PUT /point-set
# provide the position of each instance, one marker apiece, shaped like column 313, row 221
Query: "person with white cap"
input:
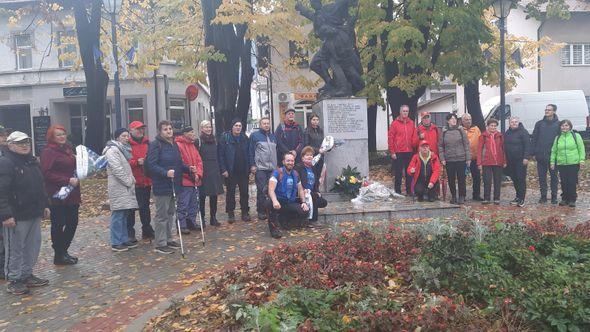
column 23, row 203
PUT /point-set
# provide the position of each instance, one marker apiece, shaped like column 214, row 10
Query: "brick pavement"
column 107, row 290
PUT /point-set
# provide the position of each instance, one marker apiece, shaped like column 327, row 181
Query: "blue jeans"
column 119, row 227
column 187, row 206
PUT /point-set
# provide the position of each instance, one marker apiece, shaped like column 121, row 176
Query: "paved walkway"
column 108, row 290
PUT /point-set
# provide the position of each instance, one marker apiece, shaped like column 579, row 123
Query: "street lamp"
column 501, row 11
column 113, row 7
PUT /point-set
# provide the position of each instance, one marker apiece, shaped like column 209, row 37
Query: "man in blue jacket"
column 544, row 134
column 235, row 168
column 263, row 158
column 289, row 136
column 165, row 167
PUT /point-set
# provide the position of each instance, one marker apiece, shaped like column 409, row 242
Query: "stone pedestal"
column 344, row 119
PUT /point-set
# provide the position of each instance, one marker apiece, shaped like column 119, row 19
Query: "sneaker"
column 231, row 217
column 514, row 201
column 572, row 204
column 497, row 202
column 521, row 203
column 164, row 250
column 132, row 240
column 563, row 203
column 485, row 202
column 542, row 200
column 17, row 288
column 119, row 248
column 185, row 231
column 214, row 222
column 130, row 244
column 33, row 281
column 276, row 234
column 246, row 217
column 262, row 216
column 173, row 244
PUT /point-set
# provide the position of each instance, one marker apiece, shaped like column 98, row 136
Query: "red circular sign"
column 192, row 92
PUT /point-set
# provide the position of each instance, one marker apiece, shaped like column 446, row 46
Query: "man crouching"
column 283, row 188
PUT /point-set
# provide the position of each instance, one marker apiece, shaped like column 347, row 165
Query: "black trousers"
column 64, row 221
column 492, row 174
column 240, row 180
column 400, row 169
column 142, row 194
column 568, row 175
column 517, row 172
column 542, row 168
column 290, row 213
column 476, row 178
column 261, row 178
column 421, row 190
column 318, row 202
column 456, row 174
column 212, row 206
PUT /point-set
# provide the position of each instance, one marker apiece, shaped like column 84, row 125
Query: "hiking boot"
column 563, row 203
column 214, row 222
column 33, row 281
column 461, row 200
column 130, row 244
column 521, row 203
column 276, row 234
column 262, row 216
column 74, row 258
column 119, row 248
column 572, row 204
column 496, row 202
column 17, row 288
column 542, row 200
column 164, row 250
column 231, row 217
column 514, row 201
column 149, row 236
column 431, row 199
column 553, row 201
column 173, row 244
column 477, row 199
column 185, row 231
column 453, row 200
column 486, row 202
column 246, row 217
column 63, row 260
column 132, row 240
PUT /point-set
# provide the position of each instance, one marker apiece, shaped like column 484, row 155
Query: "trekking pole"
column 200, row 219
column 177, row 220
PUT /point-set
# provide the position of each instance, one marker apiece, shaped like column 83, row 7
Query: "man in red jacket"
column 402, row 140
column 188, row 194
column 425, row 170
column 143, row 184
column 428, row 131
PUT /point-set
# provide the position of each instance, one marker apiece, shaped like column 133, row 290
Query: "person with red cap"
column 402, row 140
column 143, row 184
column 425, row 171
column 428, row 131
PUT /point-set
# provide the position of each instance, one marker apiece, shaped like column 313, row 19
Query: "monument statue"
column 337, row 61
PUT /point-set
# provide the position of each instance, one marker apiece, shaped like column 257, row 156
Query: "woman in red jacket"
column 58, row 164
column 188, row 195
column 492, row 159
column 425, row 170
column 402, row 140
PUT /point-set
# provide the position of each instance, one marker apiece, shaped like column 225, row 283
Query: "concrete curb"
column 139, row 323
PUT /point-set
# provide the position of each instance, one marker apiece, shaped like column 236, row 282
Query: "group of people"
column 179, row 170
column 463, row 149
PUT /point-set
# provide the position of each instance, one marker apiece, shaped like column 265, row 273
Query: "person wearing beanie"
column 121, row 189
column 187, row 204
column 289, row 136
column 235, row 168
column 58, row 164
column 23, row 203
column 143, row 184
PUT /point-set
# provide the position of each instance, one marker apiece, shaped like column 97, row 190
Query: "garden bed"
column 456, row 276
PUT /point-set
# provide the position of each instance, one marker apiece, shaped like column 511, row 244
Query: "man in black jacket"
column 289, row 137
column 517, row 149
column 22, row 205
column 543, row 136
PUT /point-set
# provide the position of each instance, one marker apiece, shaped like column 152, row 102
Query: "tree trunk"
column 97, row 79
column 372, row 126
column 474, row 105
column 396, row 98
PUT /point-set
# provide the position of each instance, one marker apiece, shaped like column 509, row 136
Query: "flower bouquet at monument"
column 88, row 162
column 349, row 182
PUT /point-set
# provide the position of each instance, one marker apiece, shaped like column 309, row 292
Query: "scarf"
column 124, row 148
column 209, row 139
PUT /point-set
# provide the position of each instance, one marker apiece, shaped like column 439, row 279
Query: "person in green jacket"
column 568, row 154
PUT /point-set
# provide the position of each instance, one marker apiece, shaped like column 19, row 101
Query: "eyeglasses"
column 21, row 144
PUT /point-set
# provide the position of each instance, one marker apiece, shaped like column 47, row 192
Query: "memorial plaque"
column 40, row 126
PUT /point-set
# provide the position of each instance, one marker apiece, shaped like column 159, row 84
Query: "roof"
column 436, row 100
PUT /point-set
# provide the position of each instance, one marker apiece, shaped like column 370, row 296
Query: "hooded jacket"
column 416, row 163
column 139, row 150
column 568, row 149
column 22, row 195
column 190, row 157
column 402, row 136
column 543, row 137
column 263, row 150
column 491, row 149
column 454, row 145
column 121, row 183
column 517, row 143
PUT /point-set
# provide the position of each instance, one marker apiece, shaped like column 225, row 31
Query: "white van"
column 530, row 107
